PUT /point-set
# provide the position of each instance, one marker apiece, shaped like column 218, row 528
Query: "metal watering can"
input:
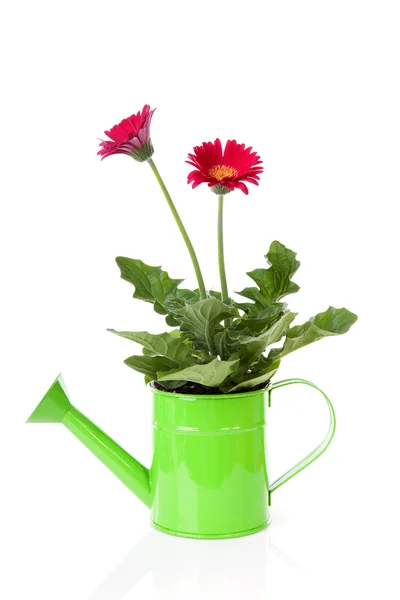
column 208, row 477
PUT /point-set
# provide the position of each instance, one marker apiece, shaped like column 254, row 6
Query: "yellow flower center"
column 220, row 172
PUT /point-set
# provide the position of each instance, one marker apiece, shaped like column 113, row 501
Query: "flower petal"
column 241, row 186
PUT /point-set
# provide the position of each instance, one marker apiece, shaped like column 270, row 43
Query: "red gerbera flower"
column 131, row 136
column 224, row 170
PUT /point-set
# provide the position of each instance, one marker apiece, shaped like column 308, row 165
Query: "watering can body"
column 208, row 477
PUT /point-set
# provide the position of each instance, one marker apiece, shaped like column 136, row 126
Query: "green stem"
column 221, row 261
column 182, row 229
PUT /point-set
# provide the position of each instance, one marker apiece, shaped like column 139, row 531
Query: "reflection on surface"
column 211, row 567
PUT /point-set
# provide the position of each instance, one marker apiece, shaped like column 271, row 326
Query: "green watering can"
column 208, row 477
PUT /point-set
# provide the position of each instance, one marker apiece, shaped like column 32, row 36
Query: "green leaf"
column 252, row 346
column 211, row 374
column 164, row 344
column 152, row 284
column 255, row 378
column 229, row 340
column 215, row 294
column 274, row 283
column 201, row 320
column 259, row 302
column 334, row 321
column 173, row 385
column 218, row 296
column 263, row 365
column 273, row 334
column 148, row 352
column 188, row 295
column 224, row 344
column 171, row 321
column 150, row 365
column 260, row 322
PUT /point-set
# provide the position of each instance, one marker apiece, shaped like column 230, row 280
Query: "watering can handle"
column 307, row 460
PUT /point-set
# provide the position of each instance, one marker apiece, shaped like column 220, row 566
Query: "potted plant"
column 209, row 369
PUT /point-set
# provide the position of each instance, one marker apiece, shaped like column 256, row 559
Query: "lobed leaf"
column 201, row 319
column 164, row 344
column 150, row 365
column 274, row 283
column 253, row 379
column 211, row 374
column 152, row 284
column 334, row 321
column 261, row 321
column 253, row 347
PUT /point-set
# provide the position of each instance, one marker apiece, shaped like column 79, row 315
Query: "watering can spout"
column 55, row 407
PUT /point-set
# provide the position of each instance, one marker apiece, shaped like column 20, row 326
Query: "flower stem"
column 221, row 261
column 182, row 229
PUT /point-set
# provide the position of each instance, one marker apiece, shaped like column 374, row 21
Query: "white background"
column 313, row 86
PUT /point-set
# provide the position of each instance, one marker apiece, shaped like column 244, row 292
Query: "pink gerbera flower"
column 224, row 170
column 131, row 136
